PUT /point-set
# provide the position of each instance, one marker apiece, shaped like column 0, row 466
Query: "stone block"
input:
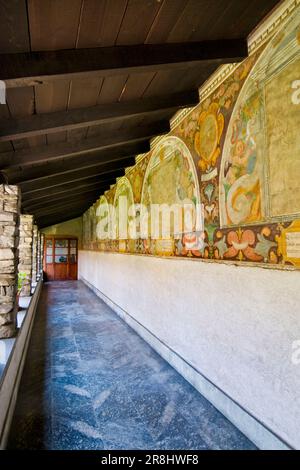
column 5, row 309
column 7, row 331
column 10, row 230
column 7, row 266
column 6, row 254
column 7, row 216
column 9, row 189
column 7, row 242
column 10, row 206
column 5, row 318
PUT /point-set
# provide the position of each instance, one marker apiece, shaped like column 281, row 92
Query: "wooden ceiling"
column 89, row 82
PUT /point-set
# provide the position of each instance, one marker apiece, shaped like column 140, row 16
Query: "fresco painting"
column 242, row 170
column 171, row 179
column 283, row 121
column 237, row 154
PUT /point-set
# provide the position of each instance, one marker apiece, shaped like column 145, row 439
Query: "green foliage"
column 22, row 277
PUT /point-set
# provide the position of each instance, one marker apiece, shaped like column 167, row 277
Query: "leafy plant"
column 22, row 278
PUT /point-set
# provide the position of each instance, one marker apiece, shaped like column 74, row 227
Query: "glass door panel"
column 73, row 251
column 61, row 251
column 49, row 251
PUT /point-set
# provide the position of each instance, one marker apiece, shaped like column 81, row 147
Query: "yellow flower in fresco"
column 207, row 139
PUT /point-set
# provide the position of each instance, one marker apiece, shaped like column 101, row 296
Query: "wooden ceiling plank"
column 44, row 222
column 112, row 88
column 60, row 167
column 20, row 101
column 40, row 67
column 53, row 97
column 83, row 93
column 55, row 205
column 193, row 17
column 137, row 21
column 12, row 129
column 136, row 85
column 55, row 138
column 106, row 170
column 251, row 15
column 63, row 207
column 34, row 203
column 61, row 202
column 66, row 187
column 167, row 16
column 100, row 22
column 53, row 24
column 12, row 161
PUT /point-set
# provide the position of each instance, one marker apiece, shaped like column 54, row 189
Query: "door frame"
column 52, row 276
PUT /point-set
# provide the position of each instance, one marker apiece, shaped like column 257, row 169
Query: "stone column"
column 10, row 202
column 34, row 255
column 42, row 253
column 38, row 265
column 25, row 252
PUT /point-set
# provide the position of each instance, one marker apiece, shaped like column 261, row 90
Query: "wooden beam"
column 73, row 191
column 34, row 68
column 98, row 148
column 117, row 161
column 54, row 208
column 106, row 171
column 39, row 124
column 46, row 202
column 63, row 207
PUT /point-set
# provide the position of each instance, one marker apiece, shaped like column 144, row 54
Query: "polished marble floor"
column 90, row 382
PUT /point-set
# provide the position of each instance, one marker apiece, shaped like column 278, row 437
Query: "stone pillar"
column 42, row 254
column 38, row 266
column 34, row 255
column 25, row 253
column 10, row 202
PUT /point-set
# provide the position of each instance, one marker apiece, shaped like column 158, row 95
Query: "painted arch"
column 259, row 177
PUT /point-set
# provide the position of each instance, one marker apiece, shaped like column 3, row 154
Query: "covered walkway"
column 90, row 382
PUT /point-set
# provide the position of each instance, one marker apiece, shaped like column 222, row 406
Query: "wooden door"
column 60, row 258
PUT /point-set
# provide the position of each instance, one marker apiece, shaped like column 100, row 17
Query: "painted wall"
column 236, row 325
column 70, row 228
column 238, row 154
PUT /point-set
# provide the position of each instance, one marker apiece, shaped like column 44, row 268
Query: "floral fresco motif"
column 254, row 244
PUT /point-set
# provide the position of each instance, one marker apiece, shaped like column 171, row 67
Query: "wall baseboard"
column 256, row 431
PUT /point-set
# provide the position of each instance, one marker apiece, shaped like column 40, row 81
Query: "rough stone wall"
column 38, row 265
column 10, row 201
column 42, row 253
column 34, row 253
column 25, row 251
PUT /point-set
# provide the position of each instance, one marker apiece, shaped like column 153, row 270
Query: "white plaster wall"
column 236, row 325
